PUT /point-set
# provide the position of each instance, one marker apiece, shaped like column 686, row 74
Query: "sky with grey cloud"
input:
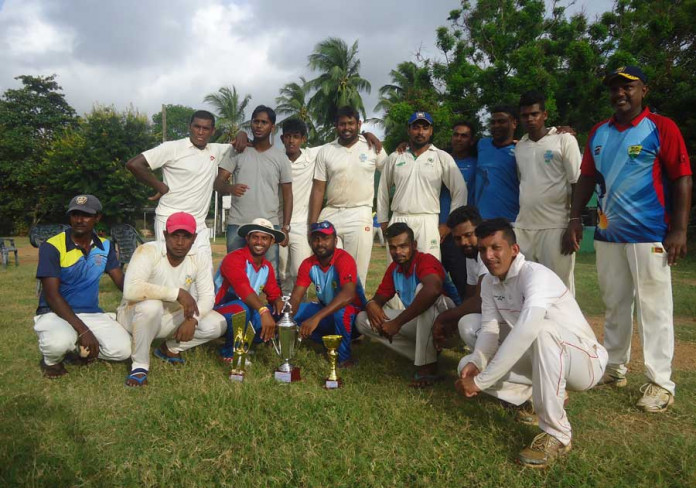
column 143, row 53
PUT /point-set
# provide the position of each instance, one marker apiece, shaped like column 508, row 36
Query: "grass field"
column 193, row 427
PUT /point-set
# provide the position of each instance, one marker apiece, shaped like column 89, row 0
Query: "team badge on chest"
column 634, row 151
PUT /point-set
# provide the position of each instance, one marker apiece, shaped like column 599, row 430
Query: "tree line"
column 490, row 52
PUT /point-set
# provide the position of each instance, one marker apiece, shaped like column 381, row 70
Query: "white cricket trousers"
column 354, row 231
column 544, row 247
column 415, row 338
column 557, row 361
column 425, row 231
column 57, row 337
column 637, row 274
column 153, row 319
column 291, row 257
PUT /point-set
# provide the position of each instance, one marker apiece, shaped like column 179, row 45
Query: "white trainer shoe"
column 655, row 398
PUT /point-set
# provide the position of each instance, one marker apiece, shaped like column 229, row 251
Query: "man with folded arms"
column 68, row 318
column 244, row 274
column 156, row 299
column 339, row 291
column 534, row 342
column 418, row 279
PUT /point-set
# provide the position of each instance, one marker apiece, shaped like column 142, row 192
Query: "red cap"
column 181, row 221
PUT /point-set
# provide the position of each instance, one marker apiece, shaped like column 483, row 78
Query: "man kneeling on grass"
column 418, row 279
column 69, row 319
column 340, row 294
column 534, row 342
column 156, row 299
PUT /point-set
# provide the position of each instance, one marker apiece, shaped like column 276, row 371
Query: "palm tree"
column 230, row 112
column 293, row 103
column 339, row 82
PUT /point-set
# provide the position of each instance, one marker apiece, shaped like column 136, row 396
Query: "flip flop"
column 139, row 375
column 174, row 361
column 424, row 381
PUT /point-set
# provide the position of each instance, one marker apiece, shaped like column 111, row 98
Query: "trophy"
column 243, row 336
column 287, row 340
column 332, row 342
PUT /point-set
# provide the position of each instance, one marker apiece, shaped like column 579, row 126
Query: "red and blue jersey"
column 329, row 280
column 239, row 276
column 398, row 282
column 633, row 165
column 497, row 186
column 79, row 270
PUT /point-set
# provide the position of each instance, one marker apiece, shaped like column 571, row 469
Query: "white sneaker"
column 655, row 398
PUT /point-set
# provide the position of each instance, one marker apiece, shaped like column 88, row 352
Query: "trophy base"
column 237, row 376
column 288, row 376
column 333, row 384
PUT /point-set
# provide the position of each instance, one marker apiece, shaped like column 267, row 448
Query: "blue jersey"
column 497, row 187
column 79, row 271
column 329, row 281
column 467, row 166
column 633, row 166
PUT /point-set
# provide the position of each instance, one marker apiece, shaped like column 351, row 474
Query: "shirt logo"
column 334, row 285
column 81, row 200
column 597, row 149
column 98, row 259
column 363, row 157
column 429, row 162
column 634, row 151
column 188, row 280
column 500, row 298
column 548, row 156
column 367, row 229
column 401, row 163
column 212, row 158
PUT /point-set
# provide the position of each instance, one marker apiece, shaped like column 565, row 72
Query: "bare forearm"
column 681, row 189
column 315, row 200
column 140, row 169
column 423, row 300
column 287, row 204
column 343, row 299
column 63, row 310
column 582, row 194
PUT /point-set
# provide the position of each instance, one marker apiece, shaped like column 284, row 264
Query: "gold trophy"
column 243, row 336
column 332, row 342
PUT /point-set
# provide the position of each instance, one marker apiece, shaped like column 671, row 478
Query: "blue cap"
column 631, row 73
column 420, row 116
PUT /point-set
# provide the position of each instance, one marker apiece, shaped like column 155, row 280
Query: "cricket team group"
column 481, row 244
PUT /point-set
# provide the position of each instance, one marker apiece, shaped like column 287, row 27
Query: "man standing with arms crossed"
column 189, row 167
column 418, row 174
column 345, row 171
column 548, row 163
column 639, row 164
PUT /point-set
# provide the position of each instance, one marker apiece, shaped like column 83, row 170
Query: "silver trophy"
column 285, row 343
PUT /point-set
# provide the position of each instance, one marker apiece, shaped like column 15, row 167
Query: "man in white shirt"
column 548, row 163
column 157, row 303
column 418, row 174
column 344, row 173
column 189, row 167
column 466, row 317
column 534, row 342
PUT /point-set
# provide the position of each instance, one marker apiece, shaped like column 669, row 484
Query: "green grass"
column 193, row 427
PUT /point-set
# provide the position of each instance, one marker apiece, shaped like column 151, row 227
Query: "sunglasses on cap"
column 322, row 226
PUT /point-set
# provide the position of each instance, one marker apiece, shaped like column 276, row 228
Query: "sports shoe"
column 655, row 398
column 613, row 380
column 543, row 450
column 526, row 415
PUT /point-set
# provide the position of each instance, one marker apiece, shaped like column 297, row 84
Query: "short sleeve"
column 346, row 268
column 303, row 278
column 381, row 158
column 160, row 155
column 571, row 158
column 386, row 288
column 271, row 288
column 587, row 166
column 49, row 262
column 233, row 269
column 673, row 154
column 427, row 265
column 111, row 259
column 320, row 164
column 285, row 169
column 229, row 163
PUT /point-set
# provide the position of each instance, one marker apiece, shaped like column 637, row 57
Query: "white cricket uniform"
column 547, row 168
column 189, row 172
column 149, row 308
column 416, row 200
column 349, row 173
column 534, row 342
column 298, row 248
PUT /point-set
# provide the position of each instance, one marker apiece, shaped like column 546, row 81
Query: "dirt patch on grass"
column 684, row 352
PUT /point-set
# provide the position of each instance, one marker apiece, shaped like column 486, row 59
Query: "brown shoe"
column 54, row 371
column 526, row 415
column 543, row 450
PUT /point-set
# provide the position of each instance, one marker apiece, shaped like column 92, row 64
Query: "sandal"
column 54, row 371
column 424, row 380
column 139, row 375
column 176, row 360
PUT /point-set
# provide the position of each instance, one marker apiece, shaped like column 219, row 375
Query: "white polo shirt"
column 150, row 276
column 189, row 173
column 474, row 270
column 418, row 182
column 546, row 168
column 302, row 176
column 349, row 173
column 506, row 306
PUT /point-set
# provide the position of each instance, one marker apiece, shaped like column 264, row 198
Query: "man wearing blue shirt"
column 68, row 318
column 497, row 186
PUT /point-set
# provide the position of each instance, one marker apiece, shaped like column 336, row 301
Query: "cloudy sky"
column 148, row 52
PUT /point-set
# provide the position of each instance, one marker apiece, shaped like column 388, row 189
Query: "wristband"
column 79, row 336
column 574, row 218
column 263, row 310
